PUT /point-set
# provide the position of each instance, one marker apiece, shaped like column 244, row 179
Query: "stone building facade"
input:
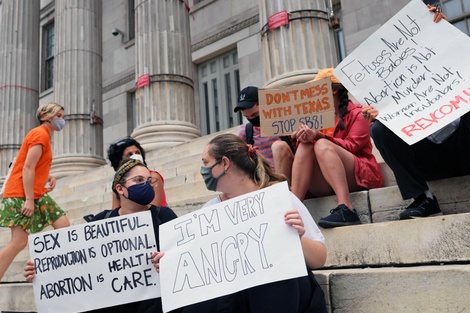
column 163, row 71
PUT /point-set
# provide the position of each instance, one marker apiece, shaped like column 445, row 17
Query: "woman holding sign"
column 27, row 206
column 336, row 163
column 132, row 186
column 235, row 168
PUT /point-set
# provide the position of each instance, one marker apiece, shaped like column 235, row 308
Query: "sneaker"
column 340, row 216
column 421, row 207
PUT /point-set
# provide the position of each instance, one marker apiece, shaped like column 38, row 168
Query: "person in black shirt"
column 132, row 187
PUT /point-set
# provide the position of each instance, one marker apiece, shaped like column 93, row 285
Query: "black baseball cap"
column 247, row 98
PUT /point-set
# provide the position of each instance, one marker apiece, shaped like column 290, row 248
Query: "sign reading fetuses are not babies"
column 414, row 71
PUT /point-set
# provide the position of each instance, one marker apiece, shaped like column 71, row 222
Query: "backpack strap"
column 249, row 134
column 108, row 214
column 249, row 137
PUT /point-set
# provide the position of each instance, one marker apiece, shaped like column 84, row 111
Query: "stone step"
column 430, row 289
column 17, row 297
column 426, row 289
column 432, row 240
column 385, row 204
column 453, row 195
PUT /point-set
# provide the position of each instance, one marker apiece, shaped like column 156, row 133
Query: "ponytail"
column 246, row 158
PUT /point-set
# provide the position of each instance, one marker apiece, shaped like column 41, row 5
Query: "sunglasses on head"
column 124, row 141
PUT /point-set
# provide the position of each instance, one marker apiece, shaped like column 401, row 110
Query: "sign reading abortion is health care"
column 414, row 71
column 284, row 109
column 229, row 246
column 95, row 265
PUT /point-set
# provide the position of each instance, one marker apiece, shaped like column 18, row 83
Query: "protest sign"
column 230, row 246
column 95, row 265
column 414, row 71
column 284, row 109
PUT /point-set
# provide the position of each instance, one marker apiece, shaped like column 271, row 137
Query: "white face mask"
column 137, row 157
column 58, row 123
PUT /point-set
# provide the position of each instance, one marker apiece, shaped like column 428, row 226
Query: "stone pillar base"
column 291, row 78
column 153, row 136
column 71, row 165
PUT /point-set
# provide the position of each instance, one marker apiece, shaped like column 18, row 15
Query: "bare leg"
column 302, row 169
column 18, row 241
column 283, row 158
column 337, row 166
column 62, row 222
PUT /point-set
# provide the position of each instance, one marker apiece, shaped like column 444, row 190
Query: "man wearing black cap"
column 276, row 150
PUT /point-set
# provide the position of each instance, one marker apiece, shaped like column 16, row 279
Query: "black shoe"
column 421, row 207
column 340, row 216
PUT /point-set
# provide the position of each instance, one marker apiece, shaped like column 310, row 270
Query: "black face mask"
column 255, row 121
column 209, row 179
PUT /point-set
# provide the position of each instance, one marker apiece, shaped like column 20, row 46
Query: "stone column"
column 165, row 108
column 294, row 53
column 77, row 86
column 19, row 76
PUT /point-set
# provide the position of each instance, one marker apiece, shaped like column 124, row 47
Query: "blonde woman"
column 27, row 206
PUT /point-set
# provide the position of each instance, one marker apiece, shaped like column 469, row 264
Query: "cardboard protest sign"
column 230, row 246
column 283, row 110
column 414, row 71
column 95, row 265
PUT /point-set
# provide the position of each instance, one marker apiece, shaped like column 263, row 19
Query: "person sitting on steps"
column 278, row 151
column 338, row 163
column 444, row 154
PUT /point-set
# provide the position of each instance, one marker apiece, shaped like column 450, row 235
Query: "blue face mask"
column 209, row 179
column 142, row 194
column 58, row 123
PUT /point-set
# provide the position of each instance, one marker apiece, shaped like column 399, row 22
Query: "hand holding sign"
column 109, row 257
column 227, row 247
column 283, row 110
column 418, row 84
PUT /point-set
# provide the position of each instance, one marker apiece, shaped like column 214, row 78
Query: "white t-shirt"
column 311, row 229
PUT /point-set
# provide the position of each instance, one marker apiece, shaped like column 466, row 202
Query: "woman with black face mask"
column 132, row 186
column 235, row 168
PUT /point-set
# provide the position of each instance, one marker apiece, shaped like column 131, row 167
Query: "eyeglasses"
column 139, row 179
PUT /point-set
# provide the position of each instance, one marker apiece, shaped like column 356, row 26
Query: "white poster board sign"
column 230, row 246
column 414, row 71
column 95, row 265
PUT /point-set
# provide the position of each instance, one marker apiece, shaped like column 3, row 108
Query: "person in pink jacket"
column 336, row 163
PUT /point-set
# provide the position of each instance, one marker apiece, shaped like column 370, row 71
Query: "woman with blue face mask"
column 27, row 208
column 130, row 148
column 132, row 186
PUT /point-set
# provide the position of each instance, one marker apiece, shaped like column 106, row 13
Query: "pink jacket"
column 356, row 139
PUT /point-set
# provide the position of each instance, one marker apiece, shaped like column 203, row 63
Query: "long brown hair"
column 343, row 103
column 251, row 162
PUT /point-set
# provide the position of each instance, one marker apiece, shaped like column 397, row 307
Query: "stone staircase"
column 384, row 265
